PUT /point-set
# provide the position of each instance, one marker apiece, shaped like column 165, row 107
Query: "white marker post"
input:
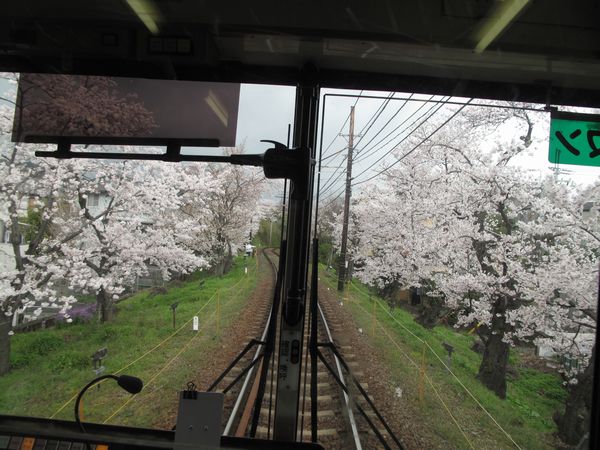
column 195, row 323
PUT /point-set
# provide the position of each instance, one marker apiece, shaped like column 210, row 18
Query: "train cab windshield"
column 330, row 226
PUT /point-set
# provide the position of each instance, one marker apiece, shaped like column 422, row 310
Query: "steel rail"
column 246, row 383
column 338, row 366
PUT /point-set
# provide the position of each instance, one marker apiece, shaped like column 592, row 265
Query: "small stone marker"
column 195, row 323
column 173, row 308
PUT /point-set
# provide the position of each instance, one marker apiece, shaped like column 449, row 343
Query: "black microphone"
column 133, row 385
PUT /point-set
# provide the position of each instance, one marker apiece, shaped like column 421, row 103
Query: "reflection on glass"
column 55, row 106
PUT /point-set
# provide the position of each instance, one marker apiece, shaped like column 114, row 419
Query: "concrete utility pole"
column 342, row 272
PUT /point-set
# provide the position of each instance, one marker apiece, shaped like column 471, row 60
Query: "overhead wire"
column 367, row 151
column 422, row 141
column 322, row 152
column 333, row 199
column 334, row 154
column 429, row 113
column 373, row 119
column 400, row 108
column 331, row 180
column 343, row 124
column 438, row 104
column 458, row 103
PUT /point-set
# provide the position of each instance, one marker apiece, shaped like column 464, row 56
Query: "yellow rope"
column 149, row 382
column 426, row 377
column 149, row 351
column 449, row 370
column 172, row 359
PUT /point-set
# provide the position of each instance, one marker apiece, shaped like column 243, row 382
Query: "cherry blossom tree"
column 229, row 212
column 329, row 232
column 46, row 187
column 499, row 246
column 95, row 248
column 84, row 246
column 138, row 226
column 573, row 318
column 24, row 183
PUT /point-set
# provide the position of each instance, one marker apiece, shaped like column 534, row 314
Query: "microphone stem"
column 80, row 395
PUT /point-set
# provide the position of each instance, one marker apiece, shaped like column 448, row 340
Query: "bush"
column 71, row 360
column 42, row 344
column 30, row 346
column 108, row 332
column 20, row 359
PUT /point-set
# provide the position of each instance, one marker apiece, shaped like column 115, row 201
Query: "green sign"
column 574, row 139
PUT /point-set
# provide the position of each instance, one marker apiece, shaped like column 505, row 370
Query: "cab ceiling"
column 546, row 50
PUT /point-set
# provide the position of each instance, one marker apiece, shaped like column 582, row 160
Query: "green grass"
column 50, row 366
column 526, row 414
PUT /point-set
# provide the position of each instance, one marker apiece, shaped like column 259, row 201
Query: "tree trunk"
column 219, row 267
column 430, row 311
column 219, row 259
column 492, row 371
column 228, row 259
column 5, row 326
column 574, row 423
column 104, row 306
column 15, row 237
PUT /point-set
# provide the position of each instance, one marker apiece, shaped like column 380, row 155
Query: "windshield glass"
column 465, row 263
column 128, row 267
column 456, row 266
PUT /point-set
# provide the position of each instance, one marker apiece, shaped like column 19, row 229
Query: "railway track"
column 339, row 424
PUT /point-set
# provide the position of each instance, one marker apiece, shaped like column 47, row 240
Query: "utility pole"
column 342, row 272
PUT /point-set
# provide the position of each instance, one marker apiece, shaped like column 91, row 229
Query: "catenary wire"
column 411, row 150
column 402, row 140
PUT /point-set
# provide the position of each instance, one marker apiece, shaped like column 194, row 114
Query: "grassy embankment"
column 525, row 416
column 50, row 366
